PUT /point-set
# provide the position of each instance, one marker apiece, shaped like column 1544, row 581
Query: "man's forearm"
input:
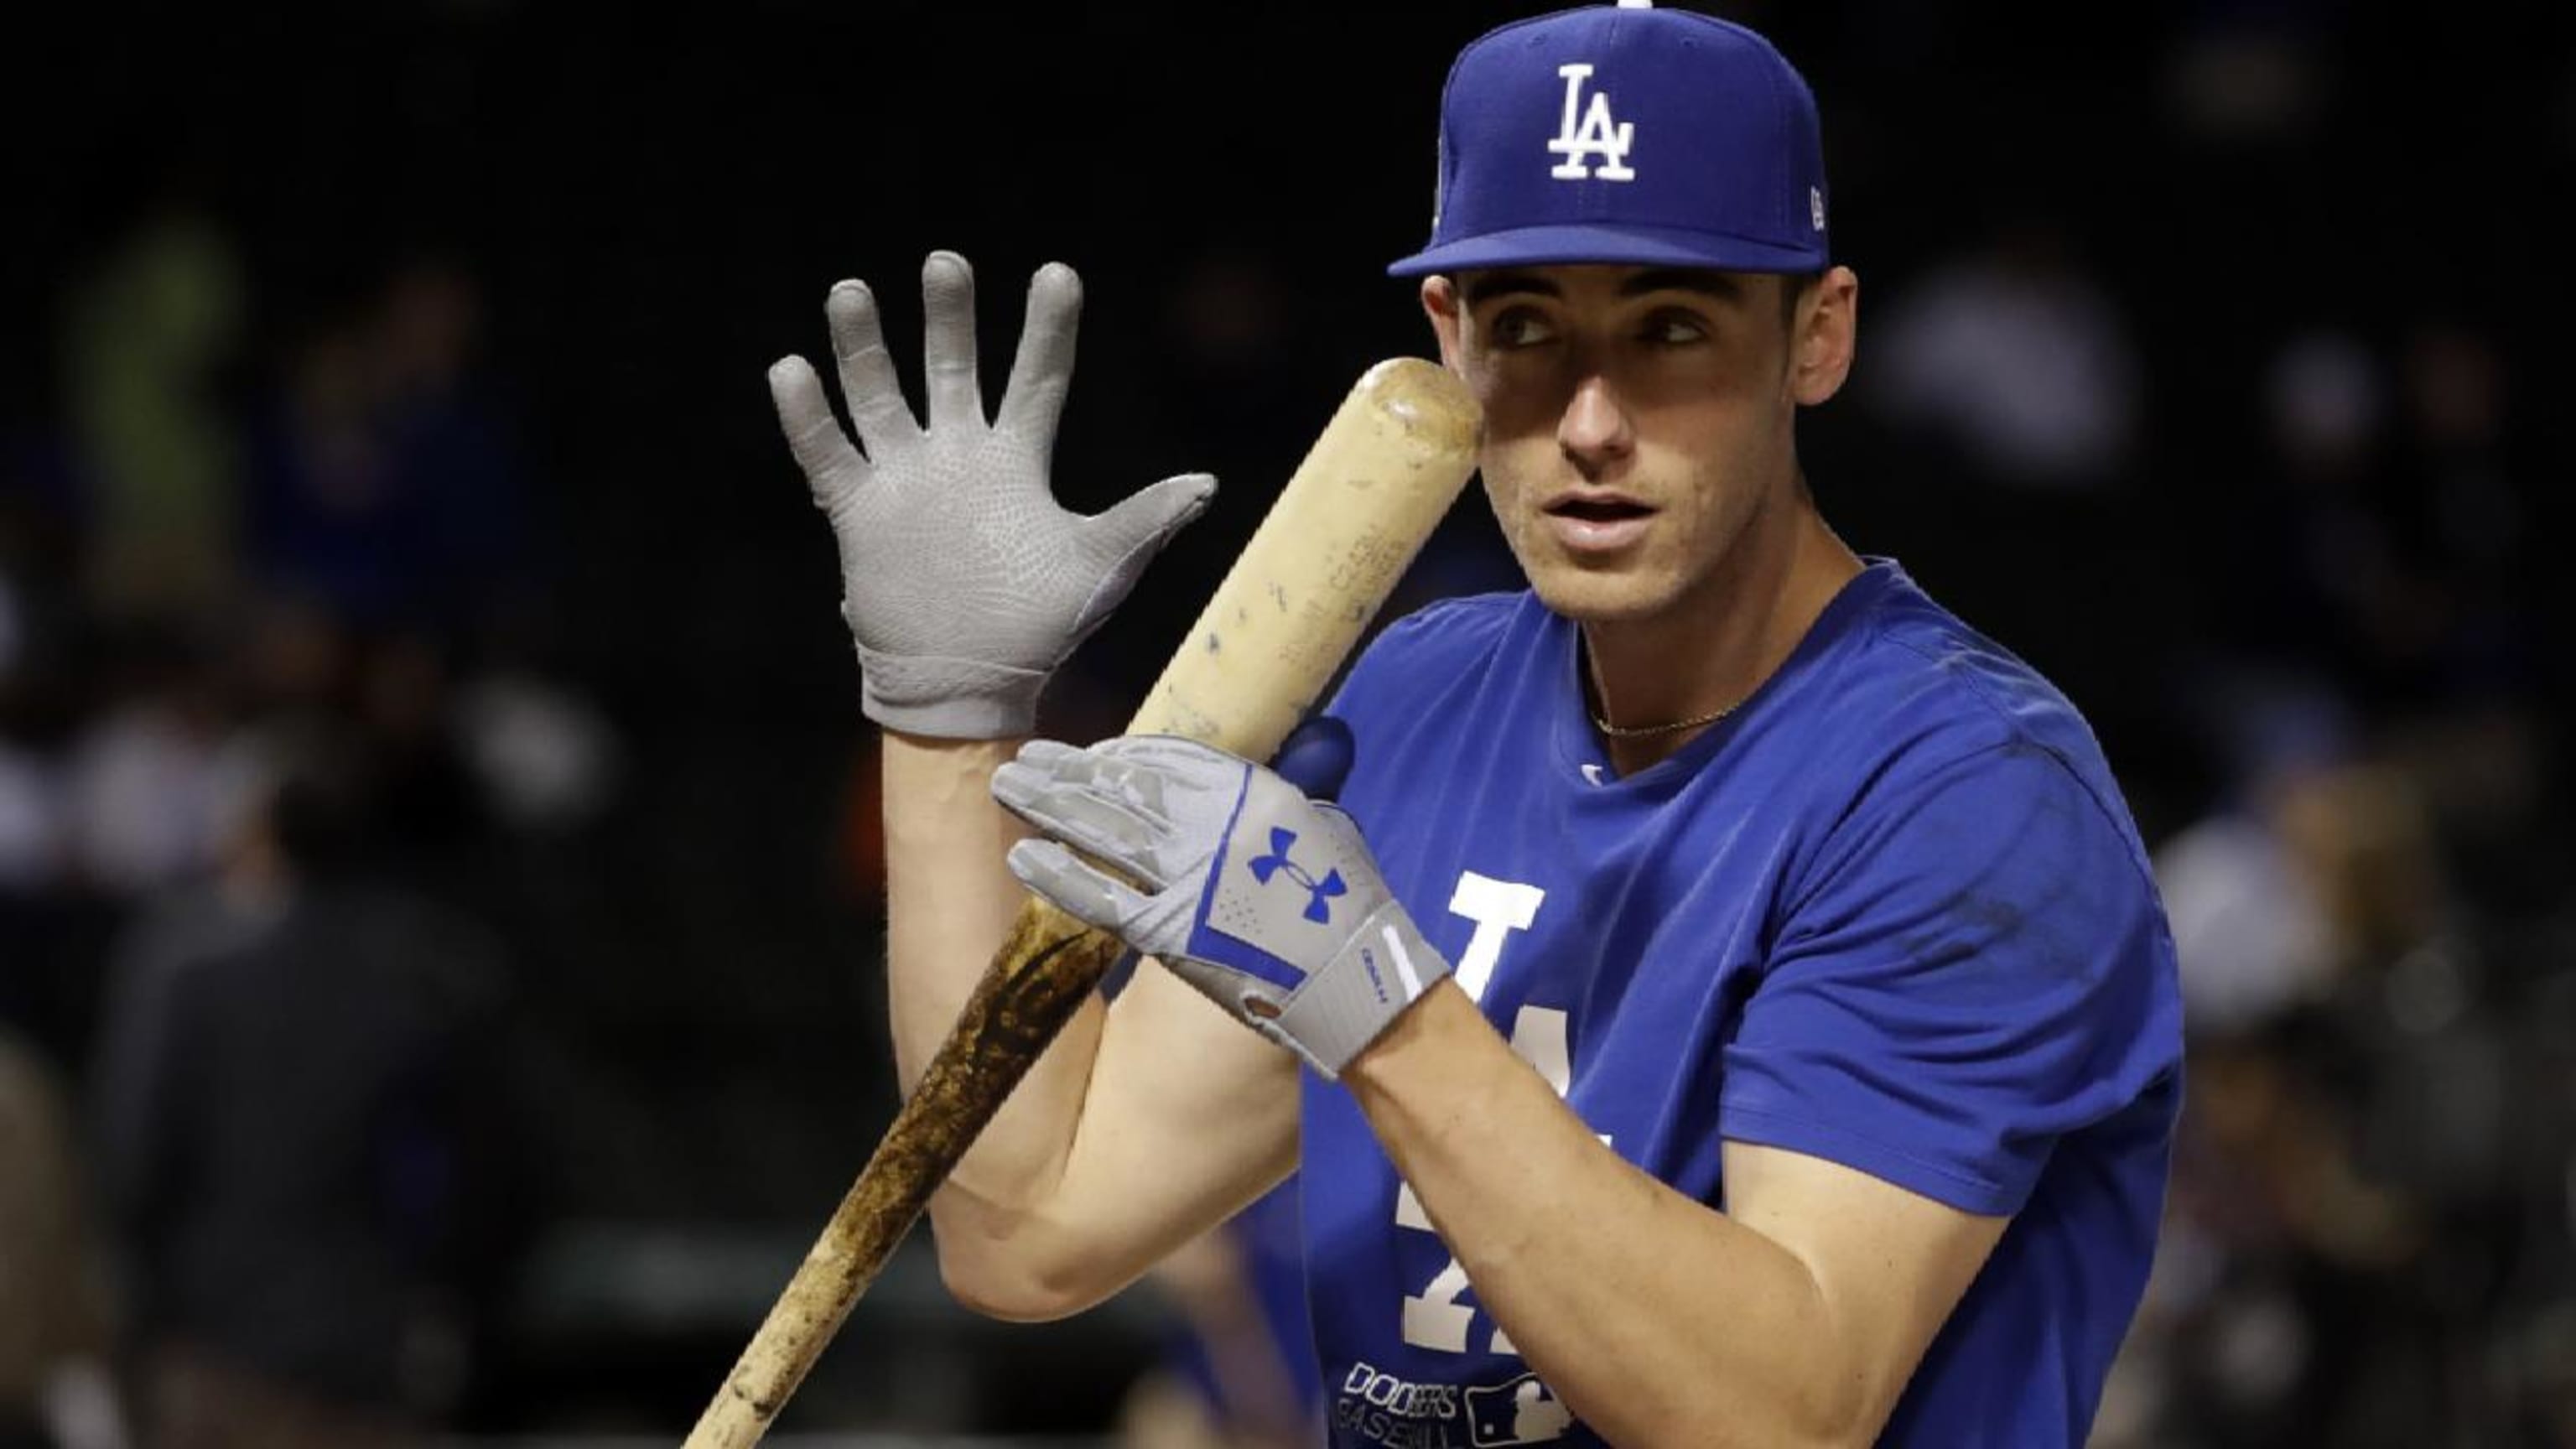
column 1657, row 1320
column 949, row 904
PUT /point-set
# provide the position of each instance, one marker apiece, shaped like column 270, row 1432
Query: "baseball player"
column 1728, row 1004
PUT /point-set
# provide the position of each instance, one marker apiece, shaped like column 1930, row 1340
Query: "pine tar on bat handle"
column 1379, row 478
column 1045, row 969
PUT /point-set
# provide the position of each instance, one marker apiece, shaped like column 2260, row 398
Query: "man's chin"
column 1600, row 596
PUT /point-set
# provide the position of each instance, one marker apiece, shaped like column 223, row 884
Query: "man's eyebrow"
column 1484, row 286
column 1683, row 279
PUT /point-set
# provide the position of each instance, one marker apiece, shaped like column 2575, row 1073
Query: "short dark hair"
column 1793, row 287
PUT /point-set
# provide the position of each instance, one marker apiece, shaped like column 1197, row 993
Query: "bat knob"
column 1316, row 757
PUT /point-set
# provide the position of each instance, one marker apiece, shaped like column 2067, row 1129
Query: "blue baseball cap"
column 1624, row 133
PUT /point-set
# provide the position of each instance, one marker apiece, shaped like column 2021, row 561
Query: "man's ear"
column 1821, row 341
column 1440, row 304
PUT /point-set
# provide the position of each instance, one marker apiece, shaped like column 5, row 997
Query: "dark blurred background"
column 439, row 909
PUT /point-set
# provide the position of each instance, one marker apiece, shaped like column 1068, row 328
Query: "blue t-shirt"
column 1264, row 1239
column 1892, row 912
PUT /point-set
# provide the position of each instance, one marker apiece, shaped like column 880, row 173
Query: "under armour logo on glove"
column 1263, row 867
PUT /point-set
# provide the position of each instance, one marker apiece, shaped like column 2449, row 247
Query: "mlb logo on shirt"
column 1522, row 1411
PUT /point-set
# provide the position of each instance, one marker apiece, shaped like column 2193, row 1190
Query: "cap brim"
column 1650, row 246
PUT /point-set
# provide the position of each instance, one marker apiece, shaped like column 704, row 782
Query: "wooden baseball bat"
column 1377, row 480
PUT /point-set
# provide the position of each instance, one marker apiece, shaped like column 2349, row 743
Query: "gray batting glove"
column 1268, row 902
column 963, row 582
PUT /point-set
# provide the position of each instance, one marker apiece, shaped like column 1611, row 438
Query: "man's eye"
column 1520, row 327
column 1674, row 329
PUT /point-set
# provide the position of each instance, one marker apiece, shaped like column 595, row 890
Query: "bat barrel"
column 1325, row 558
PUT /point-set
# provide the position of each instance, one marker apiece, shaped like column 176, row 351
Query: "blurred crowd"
column 437, row 880
column 271, row 688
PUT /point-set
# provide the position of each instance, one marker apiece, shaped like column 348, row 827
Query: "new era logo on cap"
column 1626, row 134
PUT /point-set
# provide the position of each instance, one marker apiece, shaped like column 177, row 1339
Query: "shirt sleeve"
column 1979, row 967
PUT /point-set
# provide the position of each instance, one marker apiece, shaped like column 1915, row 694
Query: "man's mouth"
column 1596, row 523
column 1599, row 510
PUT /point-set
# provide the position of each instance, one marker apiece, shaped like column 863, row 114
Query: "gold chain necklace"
column 1630, row 732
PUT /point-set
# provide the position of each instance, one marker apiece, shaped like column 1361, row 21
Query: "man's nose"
column 1594, row 432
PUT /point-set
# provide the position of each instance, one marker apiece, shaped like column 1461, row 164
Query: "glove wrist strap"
column 1383, row 967
column 955, row 699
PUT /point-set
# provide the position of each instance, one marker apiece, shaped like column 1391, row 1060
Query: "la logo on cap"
column 1597, row 135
